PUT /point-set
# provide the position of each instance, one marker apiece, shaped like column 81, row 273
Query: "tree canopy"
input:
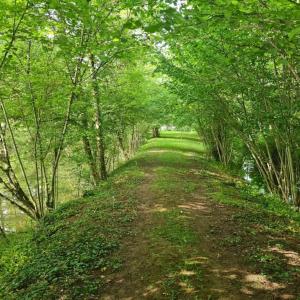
column 83, row 81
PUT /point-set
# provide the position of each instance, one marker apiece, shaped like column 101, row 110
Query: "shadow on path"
column 186, row 245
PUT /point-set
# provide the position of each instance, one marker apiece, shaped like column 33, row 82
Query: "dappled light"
column 150, row 290
column 196, row 260
column 250, row 283
column 149, row 149
column 261, row 282
column 157, row 208
column 219, row 175
column 292, row 257
column 178, row 239
column 187, row 273
column 196, row 206
column 180, row 225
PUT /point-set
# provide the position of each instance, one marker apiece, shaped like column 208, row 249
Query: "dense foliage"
column 235, row 65
column 83, row 83
column 75, row 90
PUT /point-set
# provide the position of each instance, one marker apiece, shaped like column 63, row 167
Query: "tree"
column 237, row 63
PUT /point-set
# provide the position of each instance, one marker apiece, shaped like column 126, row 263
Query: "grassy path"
column 169, row 224
column 195, row 237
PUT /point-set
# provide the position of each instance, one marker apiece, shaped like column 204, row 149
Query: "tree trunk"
column 88, row 150
column 122, row 146
column 91, row 159
column 98, row 121
column 155, row 132
column 2, row 232
column 1, row 215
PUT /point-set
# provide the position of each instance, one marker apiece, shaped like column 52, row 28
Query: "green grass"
column 62, row 255
column 183, row 275
column 174, row 228
column 258, row 215
column 272, row 265
column 68, row 252
column 172, row 141
column 192, row 135
column 271, row 212
column 167, row 181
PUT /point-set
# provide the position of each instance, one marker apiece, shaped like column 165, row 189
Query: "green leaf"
column 153, row 28
column 294, row 32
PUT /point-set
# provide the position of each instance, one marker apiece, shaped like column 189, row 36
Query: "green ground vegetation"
column 72, row 249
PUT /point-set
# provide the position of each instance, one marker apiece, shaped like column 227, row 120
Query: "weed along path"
column 196, row 235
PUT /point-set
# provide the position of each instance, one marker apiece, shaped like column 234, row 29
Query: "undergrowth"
column 69, row 253
column 63, row 255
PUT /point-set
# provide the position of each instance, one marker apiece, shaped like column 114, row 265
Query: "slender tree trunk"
column 88, row 151
column 11, row 184
column 91, row 159
column 1, row 214
column 15, row 29
column 73, row 96
column 2, row 233
column 122, row 146
column 98, row 121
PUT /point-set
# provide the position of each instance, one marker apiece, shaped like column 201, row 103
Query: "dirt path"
column 185, row 245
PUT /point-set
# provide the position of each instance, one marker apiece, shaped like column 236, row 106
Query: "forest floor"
column 179, row 227
column 195, row 237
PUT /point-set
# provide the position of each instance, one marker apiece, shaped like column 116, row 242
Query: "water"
column 11, row 218
column 248, row 167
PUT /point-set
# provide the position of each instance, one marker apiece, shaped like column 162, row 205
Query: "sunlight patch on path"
column 292, row 257
column 195, row 206
column 261, row 282
column 251, row 282
column 157, row 208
